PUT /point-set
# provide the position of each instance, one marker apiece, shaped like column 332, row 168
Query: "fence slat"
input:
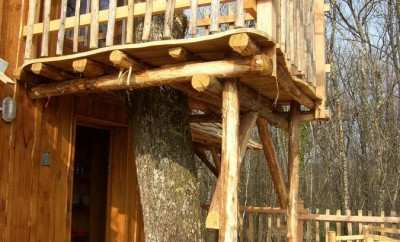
column 317, row 236
column 61, row 31
column 327, row 225
column 94, row 24
column 349, row 225
column 260, row 228
column 269, row 229
column 112, row 6
column 308, row 229
column 147, row 20
column 46, row 26
column 250, row 230
column 338, row 224
column 278, row 226
column 383, row 225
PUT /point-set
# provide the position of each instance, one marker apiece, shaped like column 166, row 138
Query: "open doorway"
column 89, row 199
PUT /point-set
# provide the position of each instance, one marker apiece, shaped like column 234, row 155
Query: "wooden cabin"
column 259, row 59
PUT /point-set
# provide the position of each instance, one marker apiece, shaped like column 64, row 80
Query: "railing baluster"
column 147, row 20
column 169, row 19
column 61, row 30
column 382, row 224
column 193, row 18
column 29, row 35
column 360, row 225
column 278, row 228
column 112, row 5
column 75, row 44
column 94, row 24
column 239, row 18
column 46, row 23
column 130, row 23
column 214, row 25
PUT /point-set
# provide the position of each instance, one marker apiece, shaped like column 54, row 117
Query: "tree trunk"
column 166, row 168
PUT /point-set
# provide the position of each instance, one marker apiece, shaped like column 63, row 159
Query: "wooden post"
column 230, row 162
column 294, row 163
column 272, row 162
column 331, row 236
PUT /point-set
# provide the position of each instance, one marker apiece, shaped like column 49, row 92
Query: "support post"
column 294, row 163
column 230, row 162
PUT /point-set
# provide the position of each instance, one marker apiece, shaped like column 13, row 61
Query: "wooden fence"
column 269, row 224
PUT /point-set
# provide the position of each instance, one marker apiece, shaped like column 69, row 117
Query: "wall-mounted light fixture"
column 8, row 109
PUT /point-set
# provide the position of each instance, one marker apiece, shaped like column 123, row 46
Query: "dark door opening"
column 89, row 199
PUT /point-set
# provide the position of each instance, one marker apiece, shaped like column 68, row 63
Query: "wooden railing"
column 269, row 224
column 68, row 26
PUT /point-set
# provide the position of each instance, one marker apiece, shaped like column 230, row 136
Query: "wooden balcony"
column 274, row 47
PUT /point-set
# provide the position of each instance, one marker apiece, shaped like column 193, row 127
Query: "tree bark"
column 167, row 172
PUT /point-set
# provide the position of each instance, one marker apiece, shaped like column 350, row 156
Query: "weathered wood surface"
column 229, row 163
column 214, row 47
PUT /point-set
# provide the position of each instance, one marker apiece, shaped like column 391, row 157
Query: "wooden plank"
column 193, row 17
column 360, row 225
column 75, row 45
column 272, row 162
column 30, row 28
column 154, row 77
column 94, row 23
column 230, row 162
column 215, row 8
column 88, row 67
column 46, row 23
column 294, row 164
column 111, row 22
column 147, row 20
column 130, row 23
column 61, row 31
column 169, row 19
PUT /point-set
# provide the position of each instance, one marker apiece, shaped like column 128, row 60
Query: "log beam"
column 294, row 167
column 50, row 72
column 230, row 68
column 87, row 67
column 230, row 162
column 272, row 161
column 204, row 82
column 179, row 53
column 123, row 61
column 243, row 45
column 203, row 157
column 247, row 123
